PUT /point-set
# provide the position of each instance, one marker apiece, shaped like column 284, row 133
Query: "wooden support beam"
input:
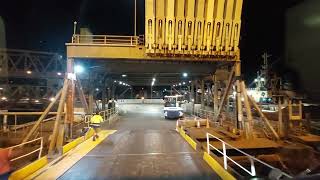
column 280, row 128
column 43, row 116
column 70, row 95
column 248, row 124
column 58, row 118
column 202, row 94
column 176, row 90
column 225, row 94
column 255, row 105
column 239, row 105
column 215, row 94
column 82, row 96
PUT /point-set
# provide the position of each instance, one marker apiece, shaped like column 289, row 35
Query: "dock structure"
column 190, row 49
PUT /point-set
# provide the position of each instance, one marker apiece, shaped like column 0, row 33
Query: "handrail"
column 106, row 114
column 27, row 154
column 252, row 159
column 113, row 40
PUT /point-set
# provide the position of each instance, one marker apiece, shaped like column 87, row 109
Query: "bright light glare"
column 52, row 99
column 262, row 79
column 59, row 73
column 124, row 75
column 185, row 74
column 255, row 80
column 36, row 101
column 4, row 98
column 29, row 72
column 97, row 89
column 153, row 79
column 183, row 83
column 78, row 69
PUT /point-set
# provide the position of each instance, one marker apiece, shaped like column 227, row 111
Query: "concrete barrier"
column 216, row 167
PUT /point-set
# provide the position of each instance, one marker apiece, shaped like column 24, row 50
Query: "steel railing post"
column 225, row 163
column 253, row 169
column 208, row 145
column 41, row 145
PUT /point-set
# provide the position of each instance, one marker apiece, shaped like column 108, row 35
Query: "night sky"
column 48, row 24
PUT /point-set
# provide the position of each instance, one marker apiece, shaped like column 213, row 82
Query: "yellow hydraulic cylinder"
column 189, row 27
column 227, row 27
column 180, row 24
column 149, row 24
column 160, row 23
column 199, row 23
column 218, row 24
column 236, row 25
column 170, row 24
column 207, row 38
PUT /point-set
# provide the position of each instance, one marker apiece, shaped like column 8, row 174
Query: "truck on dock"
column 172, row 109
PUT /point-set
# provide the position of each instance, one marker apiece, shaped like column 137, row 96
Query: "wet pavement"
column 145, row 146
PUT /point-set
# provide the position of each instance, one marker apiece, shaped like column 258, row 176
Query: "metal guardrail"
column 27, row 154
column 106, row 114
column 5, row 127
column 111, row 40
column 252, row 171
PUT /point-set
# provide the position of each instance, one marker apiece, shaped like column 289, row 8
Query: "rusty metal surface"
column 144, row 147
column 308, row 138
column 200, row 133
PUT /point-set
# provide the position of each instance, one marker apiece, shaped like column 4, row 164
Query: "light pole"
column 135, row 18
column 74, row 27
column 153, row 80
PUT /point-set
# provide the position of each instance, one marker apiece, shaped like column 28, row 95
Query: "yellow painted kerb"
column 192, row 143
column 29, row 169
column 72, row 157
column 72, row 144
column 225, row 175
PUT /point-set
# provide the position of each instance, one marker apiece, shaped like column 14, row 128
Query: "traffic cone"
column 208, row 125
column 177, row 125
column 198, row 124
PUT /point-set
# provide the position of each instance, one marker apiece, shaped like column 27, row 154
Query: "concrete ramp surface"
column 145, row 146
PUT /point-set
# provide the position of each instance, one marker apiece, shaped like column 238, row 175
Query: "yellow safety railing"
column 32, row 152
column 226, row 158
column 111, row 40
column 5, row 127
column 106, row 114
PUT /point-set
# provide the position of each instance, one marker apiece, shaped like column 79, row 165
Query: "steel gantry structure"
column 183, row 31
column 29, row 77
